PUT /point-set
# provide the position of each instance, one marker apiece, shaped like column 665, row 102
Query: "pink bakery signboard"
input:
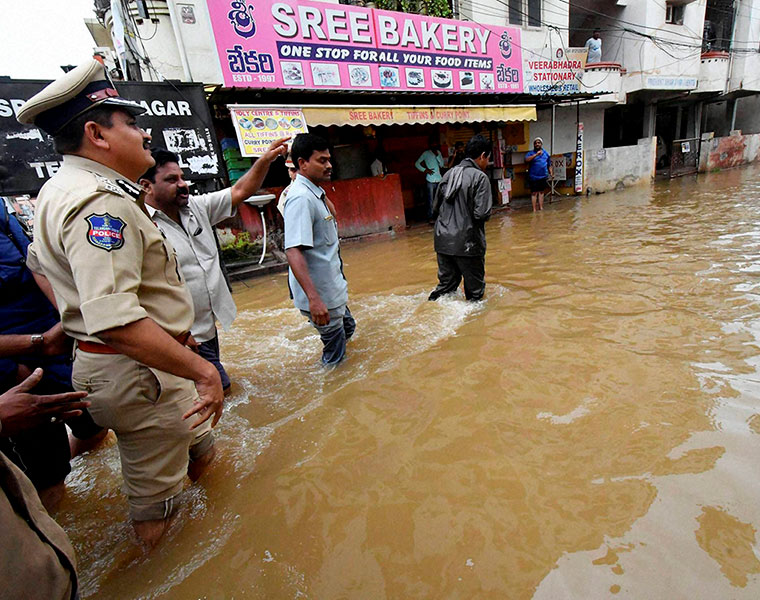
column 318, row 45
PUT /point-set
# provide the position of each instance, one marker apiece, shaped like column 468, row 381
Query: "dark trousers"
column 432, row 188
column 451, row 270
column 42, row 452
column 210, row 351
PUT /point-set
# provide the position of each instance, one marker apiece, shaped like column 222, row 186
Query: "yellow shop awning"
column 409, row 115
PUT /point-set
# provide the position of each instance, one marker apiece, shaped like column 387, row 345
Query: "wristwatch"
column 37, row 340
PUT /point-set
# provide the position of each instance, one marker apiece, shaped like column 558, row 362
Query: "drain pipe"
column 180, row 42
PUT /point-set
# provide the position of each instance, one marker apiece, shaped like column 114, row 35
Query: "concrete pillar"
column 690, row 114
column 731, row 114
column 650, row 120
column 698, row 119
column 679, row 120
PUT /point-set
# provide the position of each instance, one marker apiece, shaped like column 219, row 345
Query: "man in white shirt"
column 292, row 172
column 186, row 221
column 594, row 45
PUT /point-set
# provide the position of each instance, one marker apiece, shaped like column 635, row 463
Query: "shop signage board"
column 258, row 126
column 557, row 74
column 319, row 45
column 177, row 118
column 671, row 83
column 579, row 160
column 396, row 115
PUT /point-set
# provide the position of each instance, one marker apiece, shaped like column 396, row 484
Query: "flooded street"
column 590, row 430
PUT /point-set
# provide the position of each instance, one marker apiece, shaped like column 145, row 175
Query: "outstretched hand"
column 277, row 148
column 20, row 410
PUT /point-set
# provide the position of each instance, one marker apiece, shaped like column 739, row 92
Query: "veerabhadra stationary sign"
column 316, row 45
column 177, row 118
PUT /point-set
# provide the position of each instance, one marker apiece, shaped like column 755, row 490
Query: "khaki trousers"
column 144, row 407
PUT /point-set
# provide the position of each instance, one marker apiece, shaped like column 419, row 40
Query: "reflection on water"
column 589, row 430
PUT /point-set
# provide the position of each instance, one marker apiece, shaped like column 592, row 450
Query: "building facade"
column 676, row 76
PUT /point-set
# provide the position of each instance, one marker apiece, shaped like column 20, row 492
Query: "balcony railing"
column 603, row 78
column 605, row 66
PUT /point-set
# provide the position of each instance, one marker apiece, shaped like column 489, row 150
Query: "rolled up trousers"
column 335, row 334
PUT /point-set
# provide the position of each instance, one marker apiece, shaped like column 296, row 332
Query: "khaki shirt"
column 195, row 242
column 36, row 558
column 109, row 265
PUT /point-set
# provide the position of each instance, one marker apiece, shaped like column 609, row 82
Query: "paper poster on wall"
column 505, row 186
column 559, row 167
column 257, row 127
column 177, row 116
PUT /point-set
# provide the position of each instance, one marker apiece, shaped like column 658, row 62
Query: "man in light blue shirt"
column 316, row 279
column 430, row 163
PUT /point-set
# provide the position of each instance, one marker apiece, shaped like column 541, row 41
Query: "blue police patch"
column 105, row 231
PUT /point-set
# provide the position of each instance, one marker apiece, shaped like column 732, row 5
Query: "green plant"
column 437, row 8
column 432, row 8
column 242, row 247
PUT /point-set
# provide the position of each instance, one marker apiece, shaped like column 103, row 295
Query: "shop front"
column 378, row 85
column 396, row 136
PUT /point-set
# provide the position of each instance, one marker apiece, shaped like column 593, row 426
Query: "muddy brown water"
column 591, row 430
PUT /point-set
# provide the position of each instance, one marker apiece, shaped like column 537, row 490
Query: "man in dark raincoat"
column 463, row 205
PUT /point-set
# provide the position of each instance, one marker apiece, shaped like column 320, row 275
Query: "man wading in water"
column 320, row 290
column 463, row 205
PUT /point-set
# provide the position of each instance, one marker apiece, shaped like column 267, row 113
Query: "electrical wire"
column 657, row 40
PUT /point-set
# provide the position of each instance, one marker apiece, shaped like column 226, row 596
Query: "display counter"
column 365, row 205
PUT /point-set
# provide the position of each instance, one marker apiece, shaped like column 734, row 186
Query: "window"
column 674, row 13
column 534, row 13
column 524, row 12
column 515, row 12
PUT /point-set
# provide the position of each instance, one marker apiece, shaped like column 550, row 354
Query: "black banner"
column 178, row 118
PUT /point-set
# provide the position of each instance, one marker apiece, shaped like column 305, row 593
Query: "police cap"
column 78, row 91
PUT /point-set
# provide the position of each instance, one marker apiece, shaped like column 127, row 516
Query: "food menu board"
column 319, row 45
column 258, row 127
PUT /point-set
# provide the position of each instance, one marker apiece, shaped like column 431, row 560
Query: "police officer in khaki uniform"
column 120, row 293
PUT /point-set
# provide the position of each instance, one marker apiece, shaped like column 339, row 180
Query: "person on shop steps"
column 462, row 206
